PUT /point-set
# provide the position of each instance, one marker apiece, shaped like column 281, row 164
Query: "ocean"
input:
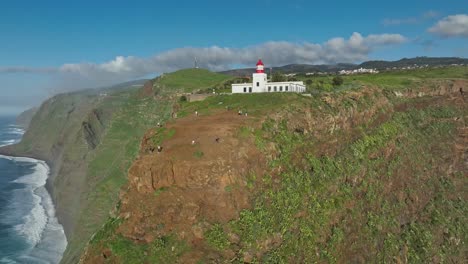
column 29, row 230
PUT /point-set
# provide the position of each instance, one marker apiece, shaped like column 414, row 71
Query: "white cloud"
column 275, row 53
column 451, row 26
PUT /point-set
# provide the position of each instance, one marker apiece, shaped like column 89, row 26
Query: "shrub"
column 216, row 237
column 337, row 81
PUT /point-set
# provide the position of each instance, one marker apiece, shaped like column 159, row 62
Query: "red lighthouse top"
column 260, row 66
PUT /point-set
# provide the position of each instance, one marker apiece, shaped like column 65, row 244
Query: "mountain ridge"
column 372, row 64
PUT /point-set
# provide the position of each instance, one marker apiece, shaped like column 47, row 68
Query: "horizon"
column 54, row 47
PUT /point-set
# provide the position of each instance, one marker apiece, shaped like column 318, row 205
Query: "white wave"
column 8, row 142
column 6, row 157
column 39, row 226
column 33, row 224
column 16, row 131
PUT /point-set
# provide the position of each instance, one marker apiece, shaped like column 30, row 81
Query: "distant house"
column 260, row 84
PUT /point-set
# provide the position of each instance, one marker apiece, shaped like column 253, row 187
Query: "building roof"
column 260, row 62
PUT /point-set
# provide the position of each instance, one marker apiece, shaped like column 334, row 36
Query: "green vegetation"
column 244, row 132
column 278, row 77
column 337, row 80
column 189, row 80
column 109, row 163
column 326, row 187
column 162, row 250
column 253, row 104
column 216, row 237
column 183, row 98
column 395, row 80
column 160, row 190
column 198, row 154
column 161, row 135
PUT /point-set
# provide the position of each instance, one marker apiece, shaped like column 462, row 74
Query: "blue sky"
column 51, row 46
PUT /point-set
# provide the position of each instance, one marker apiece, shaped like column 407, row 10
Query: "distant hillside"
column 25, row 117
column 405, row 62
column 295, row 68
column 419, row 61
column 189, row 80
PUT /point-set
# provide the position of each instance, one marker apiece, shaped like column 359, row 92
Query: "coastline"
column 10, row 151
column 51, row 242
column 42, row 227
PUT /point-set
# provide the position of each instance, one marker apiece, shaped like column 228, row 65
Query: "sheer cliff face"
column 300, row 183
column 67, row 131
column 58, row 135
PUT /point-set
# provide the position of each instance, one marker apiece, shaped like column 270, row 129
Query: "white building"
column 260, row 84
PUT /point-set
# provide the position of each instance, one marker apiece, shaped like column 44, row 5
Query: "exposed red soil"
column 178, row 191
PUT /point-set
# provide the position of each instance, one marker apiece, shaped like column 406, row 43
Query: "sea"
column 29, row 230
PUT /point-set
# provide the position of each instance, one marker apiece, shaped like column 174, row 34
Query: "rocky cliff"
column 365, row 175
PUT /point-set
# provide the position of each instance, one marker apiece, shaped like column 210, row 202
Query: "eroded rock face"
column 177, row 189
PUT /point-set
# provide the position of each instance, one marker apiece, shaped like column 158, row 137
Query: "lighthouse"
column 261, row 85
column 259, row 78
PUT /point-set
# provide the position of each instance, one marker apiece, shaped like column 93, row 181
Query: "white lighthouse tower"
column 259, row 78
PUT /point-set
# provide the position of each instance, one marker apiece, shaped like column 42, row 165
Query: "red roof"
column 260, row 62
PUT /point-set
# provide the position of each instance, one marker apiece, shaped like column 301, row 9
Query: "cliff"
column 90, row 138
column 360, row 175
column 78, row 135
column 25, row 117
column 377, row 166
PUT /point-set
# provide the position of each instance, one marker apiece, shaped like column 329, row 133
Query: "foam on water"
column 30, row 210
column 8, row 142
column 39, row 225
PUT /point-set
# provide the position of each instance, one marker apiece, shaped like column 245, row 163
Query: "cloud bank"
column 451, row 26
column 276, row 53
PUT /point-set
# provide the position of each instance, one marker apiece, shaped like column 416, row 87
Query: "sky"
column 48, row 47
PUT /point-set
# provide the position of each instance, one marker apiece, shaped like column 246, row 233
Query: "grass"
column 161, row 135
column 189, row 80
column 313, row 237
column 252, row 104
column 394, row 80
column 244, row 132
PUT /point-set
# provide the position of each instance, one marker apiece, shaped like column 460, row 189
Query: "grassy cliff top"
column 192, row 79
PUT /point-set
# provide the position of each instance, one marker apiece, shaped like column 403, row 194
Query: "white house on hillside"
column 260, row 84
